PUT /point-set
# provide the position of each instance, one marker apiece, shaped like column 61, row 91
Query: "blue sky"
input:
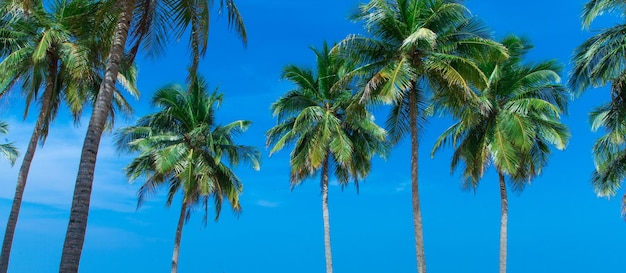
column 556, row 225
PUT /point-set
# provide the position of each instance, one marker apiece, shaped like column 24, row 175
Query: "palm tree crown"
column 57, row 49
column 510, row 122
column 324, row 121
column 182, row 147
column 417, row 44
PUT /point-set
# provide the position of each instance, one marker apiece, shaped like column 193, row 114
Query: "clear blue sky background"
column 556, row 225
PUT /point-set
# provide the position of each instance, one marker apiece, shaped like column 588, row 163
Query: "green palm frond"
column 397, row 122
column 426, row 48
column 235, row 20
column 599, row 59
column 594, row 8
column 7, row 150
column 511, row 122
column 182, row 147
column 610, row 173
column 59, row 51
column 324, row 122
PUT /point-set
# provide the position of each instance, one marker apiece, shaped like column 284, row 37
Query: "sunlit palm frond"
column 595, row 8
column 182, row 147
column 324, row 122
column 511, row 122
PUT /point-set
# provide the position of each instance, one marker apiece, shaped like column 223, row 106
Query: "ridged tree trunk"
column 75, row 236
column 417, row 214
column 179, row 234
column 22, row 176
column 504, row 217
column 326, row 216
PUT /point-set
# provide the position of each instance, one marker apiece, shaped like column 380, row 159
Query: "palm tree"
column 12, row 7
column 509, row 124
column 183, row 148
column 147, row 22
column 597, row 62
column 416, row 46
column 7, row 150
column 46, row 53
column 330, row 130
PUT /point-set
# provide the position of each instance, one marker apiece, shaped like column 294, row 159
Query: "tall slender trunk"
column 22, row 176
column 195, row 51
column 75, row 235
column 503, row 222
column 417, row 214
column 179, row 234
column 326, row 216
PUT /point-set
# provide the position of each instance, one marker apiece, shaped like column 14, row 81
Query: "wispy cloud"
column 334, row 183
column 402, row 187
column 267, row 204
column 53, row 170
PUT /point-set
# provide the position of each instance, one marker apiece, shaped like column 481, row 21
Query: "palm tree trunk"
column 22, row 176
column 326, row 216
column 417, row 214
column 179, row 234
column 503, row 222
column 75, row 235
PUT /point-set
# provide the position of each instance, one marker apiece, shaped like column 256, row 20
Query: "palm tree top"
column 61, row 37
column 512, row 121
column 324, row 119
column 182, row 145
column 424, row 43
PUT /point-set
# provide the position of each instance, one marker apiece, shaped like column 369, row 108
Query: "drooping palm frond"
column 322, row 118
column 597, row 62
column 56, row 52
column 430, row 41
column 7, row 150
column 156, row 22
column 511, row 122
column 181, row 147
column 609, row 149
column 595, row 8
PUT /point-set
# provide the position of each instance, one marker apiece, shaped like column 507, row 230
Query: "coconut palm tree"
column 148, row 23
column 10, row 8
column 597, row 62
column 509, row 124
column 181, row 147
column 47, row 52
column 7, row 150
column 332, row 133
column 416, row 46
